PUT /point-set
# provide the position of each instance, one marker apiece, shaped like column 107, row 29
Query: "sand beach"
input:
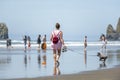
column 105, row 74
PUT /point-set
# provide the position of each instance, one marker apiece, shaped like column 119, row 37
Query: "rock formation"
column 118, row 26
column 3, row 31
column 112, row 34
column 110, row 29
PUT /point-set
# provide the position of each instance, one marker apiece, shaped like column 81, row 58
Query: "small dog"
column 102, row 57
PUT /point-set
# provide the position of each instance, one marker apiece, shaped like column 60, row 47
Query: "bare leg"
column 38, row 45
column 54, row 55
column 58, row 55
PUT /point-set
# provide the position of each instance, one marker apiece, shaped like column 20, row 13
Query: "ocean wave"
column 20, row 43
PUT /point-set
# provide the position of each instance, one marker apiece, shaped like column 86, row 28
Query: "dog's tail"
column 106, row 57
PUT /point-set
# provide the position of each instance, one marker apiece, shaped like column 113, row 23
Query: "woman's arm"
column 61, row 37
column 51, row 37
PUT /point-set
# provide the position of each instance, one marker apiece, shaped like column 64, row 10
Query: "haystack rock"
column 118, row 26
column 3, row 31
column 110, row 29
column 111, row 33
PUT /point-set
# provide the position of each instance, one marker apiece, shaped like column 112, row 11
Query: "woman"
column 104, row 41
column 56, row 46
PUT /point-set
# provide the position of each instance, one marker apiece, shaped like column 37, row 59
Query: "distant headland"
column 113, row 34
column 3, row 31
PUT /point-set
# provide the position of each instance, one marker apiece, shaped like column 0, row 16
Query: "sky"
column 76, row 17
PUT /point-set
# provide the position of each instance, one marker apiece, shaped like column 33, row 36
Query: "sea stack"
column 3, row 31
column 111, row 33
column 118, row 26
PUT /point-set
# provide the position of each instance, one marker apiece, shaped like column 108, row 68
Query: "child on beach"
column 57, row 42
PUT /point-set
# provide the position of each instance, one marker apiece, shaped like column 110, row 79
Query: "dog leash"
column 81, row 53
column 75, row 51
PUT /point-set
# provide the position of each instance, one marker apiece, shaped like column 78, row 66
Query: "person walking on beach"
column 29, row 44
column 44, row 45
column 85, row 42
column 39, row 40
column 104, row 41
column 8, row 43
column 57, row 42
column 44, row 38
column 25, row 41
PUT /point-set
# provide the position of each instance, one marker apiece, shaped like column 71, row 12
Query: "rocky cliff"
column 3, row 31
column 118, row 26
column 111, row 33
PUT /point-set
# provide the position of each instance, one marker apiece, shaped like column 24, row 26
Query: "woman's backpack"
column 55, row 38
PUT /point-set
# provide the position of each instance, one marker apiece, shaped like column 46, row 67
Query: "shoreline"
column 104, row 74
column 20, row 44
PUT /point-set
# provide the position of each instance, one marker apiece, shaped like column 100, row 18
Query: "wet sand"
column 83, row 67
column 104, row 74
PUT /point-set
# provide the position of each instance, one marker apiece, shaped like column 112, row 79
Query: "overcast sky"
column 77, row 17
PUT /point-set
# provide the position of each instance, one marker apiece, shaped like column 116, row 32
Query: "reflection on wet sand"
column 25, row 60
column 56, row 70
column 39, row 58
column 102, row 65
column 44, row 60
column 44, row 57
column 85, row 57
column 27, row 57
column 5, row 59
column 118, row 57
column 113, row 55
